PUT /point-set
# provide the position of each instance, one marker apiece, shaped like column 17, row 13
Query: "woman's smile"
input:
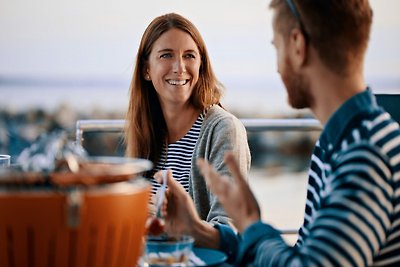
column 177, row 82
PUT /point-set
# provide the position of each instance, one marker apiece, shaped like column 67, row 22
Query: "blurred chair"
column 391, row 103
column 100, row 226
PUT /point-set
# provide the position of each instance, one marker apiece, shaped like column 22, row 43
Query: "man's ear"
column 298, row 47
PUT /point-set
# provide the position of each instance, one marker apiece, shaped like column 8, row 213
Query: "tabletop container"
column 94, row 217
column 167, row 251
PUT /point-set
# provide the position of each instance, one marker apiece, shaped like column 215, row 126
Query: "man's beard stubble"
column 297, row 87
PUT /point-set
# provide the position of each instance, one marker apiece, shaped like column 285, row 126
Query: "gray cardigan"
column 220, row 132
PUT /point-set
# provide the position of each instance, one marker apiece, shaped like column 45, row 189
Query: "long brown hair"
column 145, row 127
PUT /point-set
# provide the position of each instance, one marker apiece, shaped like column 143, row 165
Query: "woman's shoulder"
column 218, row 115
column 217, row 112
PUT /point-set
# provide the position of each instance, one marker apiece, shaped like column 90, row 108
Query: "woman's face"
column 173, row 67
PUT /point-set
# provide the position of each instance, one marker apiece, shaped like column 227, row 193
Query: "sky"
column 64, row 44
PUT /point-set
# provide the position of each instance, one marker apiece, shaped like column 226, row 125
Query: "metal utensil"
column 161, row 194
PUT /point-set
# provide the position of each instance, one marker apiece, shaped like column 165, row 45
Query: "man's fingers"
column 207, row 171
column 204, row 169
column 158, row 176
column 218, row 184
column 233, row 166
column 170, row 179
column 173, row 185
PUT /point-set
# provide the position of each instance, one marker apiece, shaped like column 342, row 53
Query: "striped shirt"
column 352, row 213
column 178, row 156
column 353, row 195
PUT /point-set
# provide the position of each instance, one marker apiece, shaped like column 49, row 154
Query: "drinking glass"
column 167, row 251
column 4, row 160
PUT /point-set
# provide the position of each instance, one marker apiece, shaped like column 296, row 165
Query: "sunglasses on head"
column 296, row 13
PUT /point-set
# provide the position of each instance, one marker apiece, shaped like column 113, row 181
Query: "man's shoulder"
column 374, row 131
column 369, row 126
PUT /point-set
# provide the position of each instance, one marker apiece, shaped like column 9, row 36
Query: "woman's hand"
column 235, row 196
column 178, row 209
column 155, row 226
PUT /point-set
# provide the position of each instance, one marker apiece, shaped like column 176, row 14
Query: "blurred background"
column 82, row 53
column 61, row 61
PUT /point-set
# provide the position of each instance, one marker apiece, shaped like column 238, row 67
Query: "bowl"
column 93, row 217
column 167, row 250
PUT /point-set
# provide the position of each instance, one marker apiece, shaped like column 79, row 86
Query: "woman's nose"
column 179, row 66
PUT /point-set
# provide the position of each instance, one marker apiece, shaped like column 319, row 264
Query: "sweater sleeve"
column 229, row 243
column 253, row 235
column 222, row 132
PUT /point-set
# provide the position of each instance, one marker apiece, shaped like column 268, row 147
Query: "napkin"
column 195, row 261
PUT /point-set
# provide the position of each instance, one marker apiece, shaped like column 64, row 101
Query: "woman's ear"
column 298, row 47
column 146, row 74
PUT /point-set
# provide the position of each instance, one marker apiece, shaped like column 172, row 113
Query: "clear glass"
column 167, row 252
column 5, row 160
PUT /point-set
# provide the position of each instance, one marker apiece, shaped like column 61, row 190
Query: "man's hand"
column 235, row 196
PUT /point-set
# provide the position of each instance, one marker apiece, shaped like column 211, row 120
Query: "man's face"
column 296, row 84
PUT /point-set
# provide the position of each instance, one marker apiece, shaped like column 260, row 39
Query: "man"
column 352, row 214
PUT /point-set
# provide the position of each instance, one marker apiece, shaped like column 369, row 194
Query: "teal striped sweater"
column 352, row 213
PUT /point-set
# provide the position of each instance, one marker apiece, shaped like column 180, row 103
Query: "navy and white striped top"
column 353, row 198
column 352, row 213
column 178, row 156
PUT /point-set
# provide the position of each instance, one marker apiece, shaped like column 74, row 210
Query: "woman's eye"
column 190, row 56
column 167, row 55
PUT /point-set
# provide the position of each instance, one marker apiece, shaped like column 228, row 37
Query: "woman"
column 174, row 114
